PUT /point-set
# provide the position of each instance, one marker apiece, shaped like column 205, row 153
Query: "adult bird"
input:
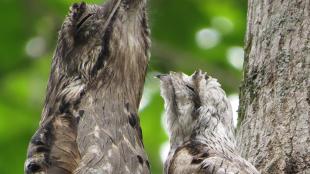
column 89, row 122
column 200, row 126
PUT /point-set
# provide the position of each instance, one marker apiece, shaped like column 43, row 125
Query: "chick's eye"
column 191, row 88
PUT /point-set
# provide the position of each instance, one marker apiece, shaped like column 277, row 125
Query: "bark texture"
column 274, row 125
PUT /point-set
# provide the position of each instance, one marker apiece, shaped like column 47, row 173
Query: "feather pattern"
column 89, row 122
column 200, row 126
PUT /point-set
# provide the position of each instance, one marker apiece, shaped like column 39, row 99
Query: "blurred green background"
column 186, row 35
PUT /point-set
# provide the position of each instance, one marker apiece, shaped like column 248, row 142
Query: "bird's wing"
column 53, row 148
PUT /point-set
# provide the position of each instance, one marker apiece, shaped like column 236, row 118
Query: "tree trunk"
column 274, row 123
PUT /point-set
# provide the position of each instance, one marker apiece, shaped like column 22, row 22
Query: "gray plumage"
column 89, row 123
column 200, row 125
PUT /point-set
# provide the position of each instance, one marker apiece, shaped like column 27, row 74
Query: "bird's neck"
column 125, row 69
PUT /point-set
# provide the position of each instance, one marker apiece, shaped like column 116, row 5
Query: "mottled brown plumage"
column 200, row 125
column 89, row 122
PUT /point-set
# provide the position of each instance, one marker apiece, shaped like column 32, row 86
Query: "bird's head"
column 101, row 45
column 193, row 103
column 84, row 43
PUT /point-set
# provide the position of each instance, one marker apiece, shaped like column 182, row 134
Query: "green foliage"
column 27, row 40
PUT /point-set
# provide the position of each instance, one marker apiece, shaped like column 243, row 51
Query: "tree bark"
column 274, row 123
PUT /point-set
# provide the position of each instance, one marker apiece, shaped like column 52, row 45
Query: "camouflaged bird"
column 89, row 123
column 200, row 125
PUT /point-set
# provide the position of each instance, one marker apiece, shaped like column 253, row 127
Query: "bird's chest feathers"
column 129, row 41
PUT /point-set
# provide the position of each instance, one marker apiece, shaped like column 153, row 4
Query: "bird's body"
column 89, row 122
column 200, row 125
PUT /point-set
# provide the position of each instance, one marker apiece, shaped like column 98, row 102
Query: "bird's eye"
column 191, row 88
column 83, row 20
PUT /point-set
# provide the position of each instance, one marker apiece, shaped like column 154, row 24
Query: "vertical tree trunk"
column 274, row 125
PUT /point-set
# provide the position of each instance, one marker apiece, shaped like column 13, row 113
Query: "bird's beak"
column 160, row 76
column 134, row 4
